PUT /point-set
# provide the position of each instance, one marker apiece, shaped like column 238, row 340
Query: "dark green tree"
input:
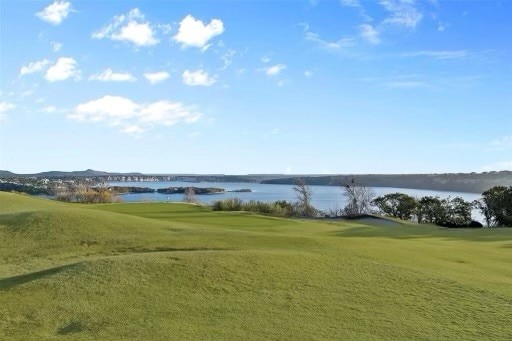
column 397, row 205
column 458, row 211
column 432, row 210
column 496, row 206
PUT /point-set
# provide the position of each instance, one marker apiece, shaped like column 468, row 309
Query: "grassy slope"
column 173, row 271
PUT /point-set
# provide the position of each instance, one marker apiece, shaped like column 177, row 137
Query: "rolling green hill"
column 164, row 271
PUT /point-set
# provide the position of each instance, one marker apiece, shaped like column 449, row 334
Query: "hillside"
column 461, row 182
column 457, row 182
column 148, row 271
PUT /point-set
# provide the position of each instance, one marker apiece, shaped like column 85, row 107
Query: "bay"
column 325, row 198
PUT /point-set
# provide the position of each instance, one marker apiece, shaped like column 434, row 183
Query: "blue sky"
column 237, row 87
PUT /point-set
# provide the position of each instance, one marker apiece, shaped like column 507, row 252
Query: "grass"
column 148, row 271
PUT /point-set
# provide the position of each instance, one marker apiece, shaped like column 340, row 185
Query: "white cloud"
column 402, row 13
column 501, row 143
column 4, row 107
column 195, row 33
column 34, row 67
column 133, row 130
column 406, row 84
column 265, row 59
column 131, row 27
column 498, row 166
column 227, row 58
column 328, row 45
column 369, row 33
column 308, row 73
column 199, row 77
column 156, row 77
column 56, row 46
column 110, row 76
column 64, row 68
column 49, row 109
column 350, row 3
column 274, row 70
column 442, row 54
column 56, row 12
column 131, row 117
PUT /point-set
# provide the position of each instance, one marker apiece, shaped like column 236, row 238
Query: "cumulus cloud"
column 56, row 12
column 34, row 67
column 194, row 33
column 64, row 68
column 130, row 27
column 131, row 117
column 369, row 33
column 110, row 76
column 156, row 77
column 274, row 70
column 4, row 107
column 199, row 77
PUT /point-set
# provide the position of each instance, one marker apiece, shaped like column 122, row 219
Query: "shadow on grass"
column 15, row 221
column 71, row 327
column 166, row 249
column 428, row 231
column 10, row 282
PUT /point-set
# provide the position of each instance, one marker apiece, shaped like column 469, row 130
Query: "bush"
column 277, row 208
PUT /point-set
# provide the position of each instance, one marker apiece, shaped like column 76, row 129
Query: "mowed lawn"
column 161, row 271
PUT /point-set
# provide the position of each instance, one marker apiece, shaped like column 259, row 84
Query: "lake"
column 324, row 197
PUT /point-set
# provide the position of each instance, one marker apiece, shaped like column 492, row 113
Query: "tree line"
column 495, row 206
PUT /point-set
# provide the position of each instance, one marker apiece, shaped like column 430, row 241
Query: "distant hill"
column 457, row 182
column 6, row 174
column 63, row 174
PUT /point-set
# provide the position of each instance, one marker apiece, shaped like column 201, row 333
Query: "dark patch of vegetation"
column 197, row 190
column 22, row 188
column 448, row 212
column 281, row 208
column 131, row 189
column 71, row 327
column 496, row 206
column 84, row 193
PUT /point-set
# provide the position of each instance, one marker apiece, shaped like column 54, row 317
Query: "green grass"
column 182, row 272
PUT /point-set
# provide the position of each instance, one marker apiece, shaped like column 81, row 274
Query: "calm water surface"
column 324, row 197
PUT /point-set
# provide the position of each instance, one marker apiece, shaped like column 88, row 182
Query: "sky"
column 245, row 87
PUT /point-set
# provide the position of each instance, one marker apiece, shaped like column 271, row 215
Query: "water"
column 324, row 197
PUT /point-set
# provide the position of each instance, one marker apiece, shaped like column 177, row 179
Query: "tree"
column 496, row 206
column 304, row 193
column 189, row 195
column 397, row 205
column 431, row 210
column 358, row 197
column 458, row 212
